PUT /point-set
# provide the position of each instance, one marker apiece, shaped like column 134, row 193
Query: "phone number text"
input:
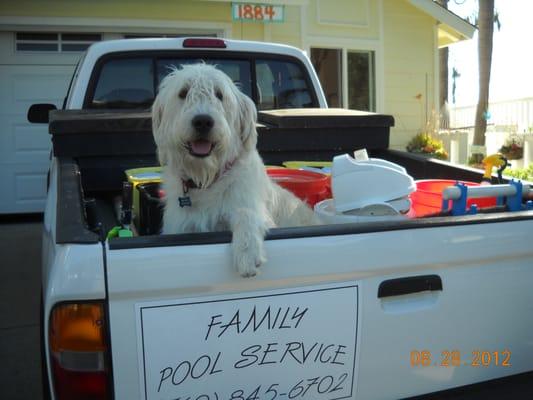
column 303, row 389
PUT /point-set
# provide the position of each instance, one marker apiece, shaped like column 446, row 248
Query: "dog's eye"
column 218, row 93
column 183, row 93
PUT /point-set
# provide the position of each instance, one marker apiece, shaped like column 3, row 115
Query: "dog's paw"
column 248, row 244
column 248, row 259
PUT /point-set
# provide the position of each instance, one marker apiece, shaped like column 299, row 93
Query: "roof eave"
column 452, row 28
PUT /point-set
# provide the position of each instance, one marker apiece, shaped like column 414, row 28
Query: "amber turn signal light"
column 79, row 351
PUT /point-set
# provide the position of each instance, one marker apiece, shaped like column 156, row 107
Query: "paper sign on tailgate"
column 295, row 343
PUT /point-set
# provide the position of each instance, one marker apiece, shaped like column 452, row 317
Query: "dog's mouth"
column 200, row 148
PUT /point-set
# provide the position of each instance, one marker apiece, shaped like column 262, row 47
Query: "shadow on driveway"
column 20, row 288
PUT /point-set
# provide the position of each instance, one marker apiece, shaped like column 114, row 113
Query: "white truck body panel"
column 485, row 271
column 69, row 271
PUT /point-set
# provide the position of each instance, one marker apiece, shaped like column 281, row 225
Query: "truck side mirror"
column 38, row 113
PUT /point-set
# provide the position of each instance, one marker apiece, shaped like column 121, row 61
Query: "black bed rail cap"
column 324, row 118
column 89, row 121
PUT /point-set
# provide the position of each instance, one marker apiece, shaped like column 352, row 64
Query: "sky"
column 512, row 54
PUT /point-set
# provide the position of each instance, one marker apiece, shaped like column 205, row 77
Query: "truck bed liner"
column 79, row 179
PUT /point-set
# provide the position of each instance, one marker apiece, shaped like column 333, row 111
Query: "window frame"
column 158, row 54
column 346, row 45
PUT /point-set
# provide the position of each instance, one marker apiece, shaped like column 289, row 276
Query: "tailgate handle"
column 411, row 284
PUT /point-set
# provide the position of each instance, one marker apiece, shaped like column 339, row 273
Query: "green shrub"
column 525, row 174
column 428, row 145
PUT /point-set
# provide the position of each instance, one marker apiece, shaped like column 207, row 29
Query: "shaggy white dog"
column 214, row 178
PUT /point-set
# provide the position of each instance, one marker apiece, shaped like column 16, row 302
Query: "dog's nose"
column 203, row 123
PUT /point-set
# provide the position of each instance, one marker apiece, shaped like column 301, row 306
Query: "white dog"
column 214, row 178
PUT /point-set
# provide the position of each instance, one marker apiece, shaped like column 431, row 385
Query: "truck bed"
column 77, row 181
column 92, row 157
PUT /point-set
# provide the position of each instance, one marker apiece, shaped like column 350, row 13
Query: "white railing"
column 517, row 113
column 458, row 144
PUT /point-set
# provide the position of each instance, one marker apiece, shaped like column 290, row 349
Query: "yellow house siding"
column 288, row 32
column 163, row 10
column 247, row 31
column 182, row 10
column 409, row 55
column 343, row 18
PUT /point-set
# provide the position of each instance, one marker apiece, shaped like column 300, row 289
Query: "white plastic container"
column 357, row 184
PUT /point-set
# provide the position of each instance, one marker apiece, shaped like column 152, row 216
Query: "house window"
column 347, row 77
column 55, row 42
column 361, row 81
column 328, row 65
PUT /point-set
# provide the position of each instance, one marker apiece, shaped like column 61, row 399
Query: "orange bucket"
column 427, row 199
column 311, row 187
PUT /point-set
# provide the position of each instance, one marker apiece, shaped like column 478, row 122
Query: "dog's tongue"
column 201, row 147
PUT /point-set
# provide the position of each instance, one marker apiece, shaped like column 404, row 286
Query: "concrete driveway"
column 20, row 286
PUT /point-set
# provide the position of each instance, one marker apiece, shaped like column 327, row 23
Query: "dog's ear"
column 247, row 119
column 157, row 117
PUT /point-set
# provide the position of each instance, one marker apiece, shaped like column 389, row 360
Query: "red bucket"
column 428, row 196
column 311, row 187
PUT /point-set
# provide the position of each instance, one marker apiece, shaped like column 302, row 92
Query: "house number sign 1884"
column 252, row 12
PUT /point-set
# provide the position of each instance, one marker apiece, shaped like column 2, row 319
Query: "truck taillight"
column 79, row 351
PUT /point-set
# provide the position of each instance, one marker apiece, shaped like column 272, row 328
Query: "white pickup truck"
column 378, row 310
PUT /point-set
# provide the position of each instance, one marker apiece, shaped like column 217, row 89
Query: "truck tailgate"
column 331, row 316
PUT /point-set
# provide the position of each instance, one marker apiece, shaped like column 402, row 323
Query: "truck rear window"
column 238, row 70
column 125, row 83
column 131, row 83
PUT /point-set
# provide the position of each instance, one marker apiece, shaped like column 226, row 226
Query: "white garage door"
column 34, row 68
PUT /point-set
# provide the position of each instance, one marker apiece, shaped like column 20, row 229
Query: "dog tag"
column 185, row 201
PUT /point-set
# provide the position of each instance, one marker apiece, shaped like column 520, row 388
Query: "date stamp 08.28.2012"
column 456, row 358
